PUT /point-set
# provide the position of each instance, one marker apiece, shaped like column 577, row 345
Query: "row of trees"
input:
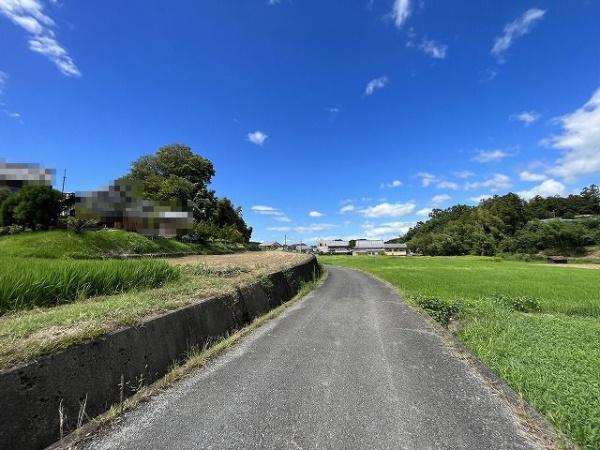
column 174, row 175
column 511, row 224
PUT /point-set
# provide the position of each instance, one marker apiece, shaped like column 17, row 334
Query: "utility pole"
column 285, row 241
column 63, row 182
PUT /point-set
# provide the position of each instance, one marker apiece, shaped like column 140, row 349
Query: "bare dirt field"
column 249, row 260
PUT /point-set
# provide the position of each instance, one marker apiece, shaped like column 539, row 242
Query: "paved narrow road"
column 348, row 367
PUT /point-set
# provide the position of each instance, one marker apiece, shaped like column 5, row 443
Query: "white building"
column 337, row 247
column 378, row 247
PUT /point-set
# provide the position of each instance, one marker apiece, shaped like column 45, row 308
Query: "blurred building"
column 16, row 175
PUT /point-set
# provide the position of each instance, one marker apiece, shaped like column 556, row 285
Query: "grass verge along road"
column 536, row 326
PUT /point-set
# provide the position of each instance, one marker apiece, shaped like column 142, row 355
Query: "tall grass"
column 27, row 283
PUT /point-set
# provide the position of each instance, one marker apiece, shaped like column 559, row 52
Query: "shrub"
column 441, row 310
column 521, row 303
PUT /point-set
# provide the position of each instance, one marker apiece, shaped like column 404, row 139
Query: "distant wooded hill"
column 510, row 224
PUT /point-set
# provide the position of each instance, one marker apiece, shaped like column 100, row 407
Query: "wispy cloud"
column 514, row 30
column 279, row 228
column 11, row 114
column 347, row 208
column 580, row 141
column 30, row 15
column 392, row 184
column 487, row 156
column 433, row 49
column 526, row 175
column 388, row 210
column 479, row 198
column 3, row 81
column 314, row 228
column 257, row 137
column 315, row 214
column 376, row 84
column 463, row 174
column 439, row 199
column 447, row 185
column 427, row 179
column 496, row 183
column 400, row 12
column 526, row 117
column 386, row 230
column 264, row 210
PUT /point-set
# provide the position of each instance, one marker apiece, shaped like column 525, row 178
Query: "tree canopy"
column 177, row 175
column 509, row 223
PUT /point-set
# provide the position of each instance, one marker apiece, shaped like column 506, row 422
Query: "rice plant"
column 28, row 283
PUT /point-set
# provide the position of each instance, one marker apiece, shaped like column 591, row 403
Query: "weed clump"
column 521, row 303
column 440, row 309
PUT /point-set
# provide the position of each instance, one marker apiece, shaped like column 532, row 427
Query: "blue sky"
column 323, row 118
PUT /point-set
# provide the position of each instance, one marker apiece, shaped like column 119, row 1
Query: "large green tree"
column 176, row 174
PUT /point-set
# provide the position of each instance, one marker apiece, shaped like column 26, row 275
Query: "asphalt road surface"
column 349, row 367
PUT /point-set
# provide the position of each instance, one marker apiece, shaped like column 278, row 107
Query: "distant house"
column 334, row 247
column 16, row 175
column 270, row 245
column 378, row 247
column 300, row 248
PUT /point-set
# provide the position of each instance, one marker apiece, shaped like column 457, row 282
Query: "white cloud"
column 433, row 49
column 486, row 156
column 257, row 137
column 497, row 182
column 515, row 29
column 427, row 179
column 273, row 2
column 392, row 184
column 447, row 185
column 526, row 117
column 264, row 210
column 333, row 110
column 3, row 80
column 387, row 230
column 437, row 200
column 547, row 188
column 279, row 228
column 479, row 198
column 375, row 84
column 388, row 210
column 463, row 174
column 315, row 214
column 29, row 15
column 347, row 208
column 580, row 140
column 424, row 212
column 526, row 175
column 314, row 228
column 400, row 12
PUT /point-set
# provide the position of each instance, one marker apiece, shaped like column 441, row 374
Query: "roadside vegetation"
column 100, row 244
column 508, row 224
column 536, row 325
column 28, row 333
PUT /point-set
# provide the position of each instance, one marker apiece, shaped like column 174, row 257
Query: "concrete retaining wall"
column 31, row 394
